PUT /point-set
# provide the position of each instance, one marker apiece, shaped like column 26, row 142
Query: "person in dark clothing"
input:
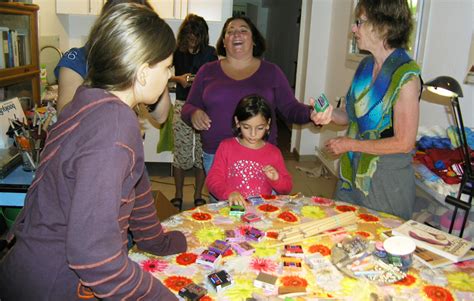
column 191, row 53
column 91, row 186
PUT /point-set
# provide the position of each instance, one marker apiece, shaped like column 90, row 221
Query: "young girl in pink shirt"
column 247, row 165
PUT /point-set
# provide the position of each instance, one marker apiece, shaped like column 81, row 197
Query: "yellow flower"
column 224, row 211
column 356, row 289
column 209, row 234
column 313, row 212
column 264, row 249
column 241, row 290
column 461, row 281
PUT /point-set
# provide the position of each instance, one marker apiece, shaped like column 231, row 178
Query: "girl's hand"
column 235, row 198
column 321, row 118
column 340, row 145
column 271, row 172
column 200, row 120
column 181, row 79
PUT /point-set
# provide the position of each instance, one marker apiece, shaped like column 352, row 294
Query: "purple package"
column 254, row 234
column 209, row 258
column 243, row 248
column 219, row 246
column 255, row 200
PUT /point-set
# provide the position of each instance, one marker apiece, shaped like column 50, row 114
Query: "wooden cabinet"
column 79, row 7
column 19, row 66
column 211, row 10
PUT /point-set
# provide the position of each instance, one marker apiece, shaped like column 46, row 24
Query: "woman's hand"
column 200, row 120
column 235, row 198
column 271, row 172
column 181, row 79
column 340, row 145
column 321, row 118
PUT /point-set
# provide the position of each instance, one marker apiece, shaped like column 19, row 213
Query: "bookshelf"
column 19, row 62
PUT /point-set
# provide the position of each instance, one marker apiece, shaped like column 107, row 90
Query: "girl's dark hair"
column 122, row 39
column 193, row 25
column 258, row 40
column 248, row 107
column 392, row 19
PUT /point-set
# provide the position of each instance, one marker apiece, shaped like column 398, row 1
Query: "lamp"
column 449, row 87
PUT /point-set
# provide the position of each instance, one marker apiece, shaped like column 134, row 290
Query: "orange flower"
column 267, row 208
column 186, row 258
column 201, row 216
column 369, row 218
column 345, row 208
column 177, row 282
column 268, row 197
column 407, row 281
column 288, row 216
column 294, row 281
column 321, row 249
column 272, row 234
column 322, row 201
column 364, row 234
column 206, row 298
column 437, row 293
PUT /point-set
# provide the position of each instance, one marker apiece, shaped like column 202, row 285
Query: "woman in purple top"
column 91, row 187
column 219, row 86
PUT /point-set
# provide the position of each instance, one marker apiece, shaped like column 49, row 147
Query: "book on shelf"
column 430, row 259
column 4, row 59
column 439, row 242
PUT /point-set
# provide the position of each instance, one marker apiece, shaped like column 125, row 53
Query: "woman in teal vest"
column 382, row 108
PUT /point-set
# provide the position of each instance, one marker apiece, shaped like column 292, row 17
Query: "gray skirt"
column 392, row 188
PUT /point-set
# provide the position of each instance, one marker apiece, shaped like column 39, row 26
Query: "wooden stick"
column 350, row 228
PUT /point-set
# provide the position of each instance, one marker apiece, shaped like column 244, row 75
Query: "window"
column 416, row 6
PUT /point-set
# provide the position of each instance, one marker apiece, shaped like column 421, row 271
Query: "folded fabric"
column 427, row 142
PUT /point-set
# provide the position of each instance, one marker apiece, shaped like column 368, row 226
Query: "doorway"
column 279, row 22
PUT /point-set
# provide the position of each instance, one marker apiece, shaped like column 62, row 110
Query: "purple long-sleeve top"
column 90, row 188
column 217, row 94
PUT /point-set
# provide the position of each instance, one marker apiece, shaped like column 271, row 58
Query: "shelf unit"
column 19, row 69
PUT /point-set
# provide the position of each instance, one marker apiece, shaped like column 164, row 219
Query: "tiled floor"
column 303, row 182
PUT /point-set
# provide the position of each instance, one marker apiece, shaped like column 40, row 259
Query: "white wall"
column 446, row 52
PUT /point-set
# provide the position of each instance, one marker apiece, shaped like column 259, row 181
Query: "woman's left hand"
column 340, row 145
column 271, row 172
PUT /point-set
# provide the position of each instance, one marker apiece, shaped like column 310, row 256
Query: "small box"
column 294, row 251
column 243, row 248
column 250, row 218
column 192, row 292
column 266, row 281
column 219, row 246
column 220, row 280
column 291, row 263
column 321, row 103
column 290, row 259
column 236, row 210
column 233, row 236
column 254, row 234
column 209, row 258
column 284, row 290
column 255, row 200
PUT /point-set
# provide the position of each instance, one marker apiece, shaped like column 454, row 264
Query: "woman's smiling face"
column 238, row 39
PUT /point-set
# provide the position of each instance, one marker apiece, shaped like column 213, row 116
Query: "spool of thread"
column 379, row 250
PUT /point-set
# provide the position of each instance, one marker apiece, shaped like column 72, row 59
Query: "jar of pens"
column 29, row 135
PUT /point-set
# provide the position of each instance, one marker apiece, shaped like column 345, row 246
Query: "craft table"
column 13, row 188
column 205, row 224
